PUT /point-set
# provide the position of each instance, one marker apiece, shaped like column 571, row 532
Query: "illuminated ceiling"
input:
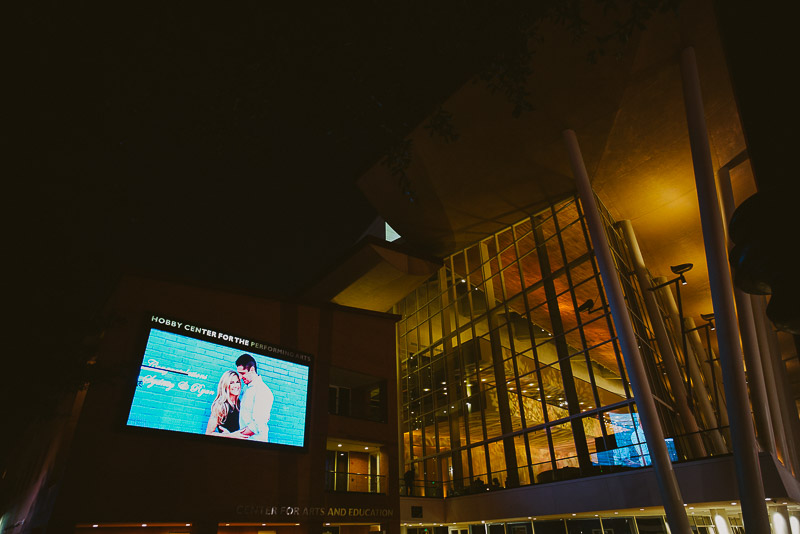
column 629, row 118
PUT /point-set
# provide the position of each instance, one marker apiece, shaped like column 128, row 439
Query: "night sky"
column 219, row 146
column 207, row 146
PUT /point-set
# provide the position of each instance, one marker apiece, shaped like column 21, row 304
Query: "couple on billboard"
column 237, row 415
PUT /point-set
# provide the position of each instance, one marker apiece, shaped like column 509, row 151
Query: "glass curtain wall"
column 510, row 371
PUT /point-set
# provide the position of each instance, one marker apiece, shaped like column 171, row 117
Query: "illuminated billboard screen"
column 199, row 380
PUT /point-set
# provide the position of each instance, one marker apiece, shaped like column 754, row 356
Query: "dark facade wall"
column 366, row 344
column 120, row 474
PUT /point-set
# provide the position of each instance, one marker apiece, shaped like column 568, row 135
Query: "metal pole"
column 642, row 394
column 743, row 439
column 709, row 361
column 717, row 408
column 693, row 370
column 664, row 345
column 684, row 348
column 708, row 364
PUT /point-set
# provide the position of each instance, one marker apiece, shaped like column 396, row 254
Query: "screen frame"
column 257, row 347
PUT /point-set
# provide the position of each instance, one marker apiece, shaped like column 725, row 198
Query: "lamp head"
column 682, row 268
column 586, row 306
column 709, row 318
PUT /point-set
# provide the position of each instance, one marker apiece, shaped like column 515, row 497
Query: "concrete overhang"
column 374, row 275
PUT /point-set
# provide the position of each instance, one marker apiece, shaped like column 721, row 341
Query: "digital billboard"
column 198, row 380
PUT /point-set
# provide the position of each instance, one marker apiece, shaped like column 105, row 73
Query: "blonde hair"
column 222, row 404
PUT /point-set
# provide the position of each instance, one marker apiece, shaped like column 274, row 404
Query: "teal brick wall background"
column 178, row 382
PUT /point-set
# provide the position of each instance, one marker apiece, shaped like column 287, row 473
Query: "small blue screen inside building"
column 631, row 448
column 193, row 385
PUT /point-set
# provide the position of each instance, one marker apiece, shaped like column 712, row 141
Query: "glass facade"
column 510, row 371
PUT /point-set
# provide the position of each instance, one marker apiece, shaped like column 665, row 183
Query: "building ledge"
column 374, row 275
column 702, row 481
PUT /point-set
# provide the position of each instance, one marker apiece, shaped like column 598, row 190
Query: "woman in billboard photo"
column 224, row 420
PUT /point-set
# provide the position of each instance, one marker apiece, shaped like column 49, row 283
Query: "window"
column 353, row 467
column 353, row 394
column 339, row 400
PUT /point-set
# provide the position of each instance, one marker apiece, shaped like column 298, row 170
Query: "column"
column 664, row 346
column 762, row 324
column 750, row 347
column 720, row 518
column 780, row 519
column 745, row 453
column 788, row 408
column 700, row 392
column 794, row 522
column 642, row 394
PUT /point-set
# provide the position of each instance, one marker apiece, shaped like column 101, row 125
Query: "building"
column 126, row 454
column 512, row 375
column 517, row 407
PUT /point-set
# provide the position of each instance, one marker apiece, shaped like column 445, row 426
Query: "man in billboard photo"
column 256, row 402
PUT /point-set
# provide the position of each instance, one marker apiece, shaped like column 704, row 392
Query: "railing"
column 342, row 481
column 422, row 489
column 612, row 460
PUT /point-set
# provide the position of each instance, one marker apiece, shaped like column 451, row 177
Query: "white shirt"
column 255, row 409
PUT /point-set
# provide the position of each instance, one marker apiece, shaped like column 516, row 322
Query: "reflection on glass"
column 484, row 322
